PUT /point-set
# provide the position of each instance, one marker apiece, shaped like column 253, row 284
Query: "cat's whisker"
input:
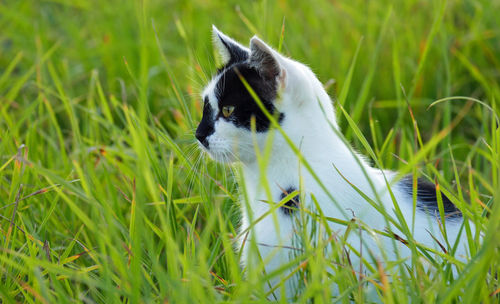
column 192, row 174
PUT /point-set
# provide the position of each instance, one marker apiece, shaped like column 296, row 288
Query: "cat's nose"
column 202, row 138
column 205, row 129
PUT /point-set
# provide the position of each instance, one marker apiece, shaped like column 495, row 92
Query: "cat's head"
column 282, row 85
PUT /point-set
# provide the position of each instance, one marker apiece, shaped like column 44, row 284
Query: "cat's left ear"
column 266, row 61
column 229, row 50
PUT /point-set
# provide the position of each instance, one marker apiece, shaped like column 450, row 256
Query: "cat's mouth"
column 224, row 156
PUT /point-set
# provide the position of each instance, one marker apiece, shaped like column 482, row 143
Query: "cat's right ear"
column 229, row 50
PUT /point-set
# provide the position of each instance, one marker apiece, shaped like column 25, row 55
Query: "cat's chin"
column 229, row 158
column 223, row 158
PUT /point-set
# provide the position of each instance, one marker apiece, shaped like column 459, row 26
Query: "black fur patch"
column 288, row 207
column 427, row 198
column 230, row 91
column 206, row 126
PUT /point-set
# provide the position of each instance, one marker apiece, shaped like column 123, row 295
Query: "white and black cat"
column 291, row 93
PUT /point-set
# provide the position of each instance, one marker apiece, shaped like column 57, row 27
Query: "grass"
column 103, row 195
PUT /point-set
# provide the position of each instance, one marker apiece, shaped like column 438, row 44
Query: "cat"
column 309, row 158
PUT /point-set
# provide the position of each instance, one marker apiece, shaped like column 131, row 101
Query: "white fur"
column 311, row 124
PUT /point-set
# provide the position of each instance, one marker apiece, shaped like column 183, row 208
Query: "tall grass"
column 105, row 198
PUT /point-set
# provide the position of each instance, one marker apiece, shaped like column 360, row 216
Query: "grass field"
column 104, row 197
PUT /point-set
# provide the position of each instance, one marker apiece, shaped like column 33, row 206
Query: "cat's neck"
column 279, row 169
column 281, row 166
column 325, row 153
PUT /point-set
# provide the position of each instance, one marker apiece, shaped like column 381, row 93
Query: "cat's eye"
column 227, row 111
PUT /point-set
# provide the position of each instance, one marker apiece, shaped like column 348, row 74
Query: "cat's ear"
column 230, row 50
column 265, row 60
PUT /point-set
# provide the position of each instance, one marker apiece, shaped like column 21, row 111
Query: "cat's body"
column 295, row 97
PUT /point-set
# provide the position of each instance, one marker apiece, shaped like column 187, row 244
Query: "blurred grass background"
column 103, row 195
